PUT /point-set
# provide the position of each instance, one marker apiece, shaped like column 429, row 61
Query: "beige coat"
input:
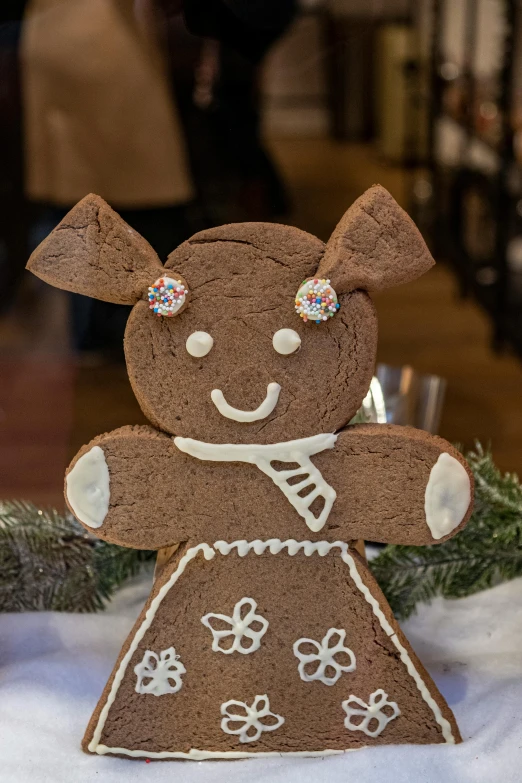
column 98, row 113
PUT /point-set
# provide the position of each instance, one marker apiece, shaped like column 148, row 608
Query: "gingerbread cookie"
column 249, row 352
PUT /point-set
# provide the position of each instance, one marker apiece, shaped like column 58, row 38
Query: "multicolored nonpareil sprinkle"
column 166, row 296
column 316, row 301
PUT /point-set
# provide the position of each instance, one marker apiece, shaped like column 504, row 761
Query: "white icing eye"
column 286, row 341
column 199, row 344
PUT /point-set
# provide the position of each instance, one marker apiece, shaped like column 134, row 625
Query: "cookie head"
column 239, row 365
column 252, row 332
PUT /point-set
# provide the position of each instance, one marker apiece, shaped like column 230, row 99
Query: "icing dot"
column 199, row 344
column 167, row 296
column 316, row 300
column 286, row 341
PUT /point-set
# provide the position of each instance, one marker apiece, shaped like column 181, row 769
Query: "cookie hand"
column 117, row 487
column 397, row 485
column 87, row 488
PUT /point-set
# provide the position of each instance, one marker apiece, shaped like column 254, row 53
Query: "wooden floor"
column 50, row 406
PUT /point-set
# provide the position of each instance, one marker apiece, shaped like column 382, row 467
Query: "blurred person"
column 240, row 181
column 13, row 209
column 97, row 106
column 99, row 117
column 218, row 95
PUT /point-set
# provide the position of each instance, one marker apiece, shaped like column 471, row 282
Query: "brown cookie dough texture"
column 168, row 695
column 314, row 719
column 375, row 245
column 242, row 281
column 322, row 384
column 95, row 253
column 160, row 496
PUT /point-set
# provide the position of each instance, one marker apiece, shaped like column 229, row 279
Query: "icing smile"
column 264, row 410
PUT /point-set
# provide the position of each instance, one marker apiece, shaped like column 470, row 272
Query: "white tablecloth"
column 53, row 668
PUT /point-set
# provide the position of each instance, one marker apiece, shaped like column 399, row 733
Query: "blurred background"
column 185, row 114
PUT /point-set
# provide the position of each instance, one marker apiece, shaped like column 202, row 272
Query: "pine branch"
column 49, row 562
column 487, row 551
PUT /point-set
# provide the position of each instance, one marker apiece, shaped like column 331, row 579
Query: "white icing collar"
column 262, row 455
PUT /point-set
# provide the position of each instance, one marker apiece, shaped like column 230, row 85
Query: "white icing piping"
column 252, row 719
column 88, row 488
column 243, row 547
column 208, row 553
column 447, row 496
column 373, row 711
column 403, row 653
column 324, row 656
column 264, row 410
column 199, row 344
column 286, row 341
column 201, row 755
column 275, row 546
column 238, row 627
column 262, row 456
column 159, row 670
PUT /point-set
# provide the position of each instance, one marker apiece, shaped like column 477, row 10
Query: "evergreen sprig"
column 48, row 561
column 486, row 552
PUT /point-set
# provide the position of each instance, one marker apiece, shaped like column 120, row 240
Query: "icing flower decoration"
column 238, row 627
column 370, row 713
column 254, row 720
column 155, row 672
column 316, row 301
column 167, row 296
column 324, row 657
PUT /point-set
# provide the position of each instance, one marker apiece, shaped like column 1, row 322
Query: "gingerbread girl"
column 249, row 352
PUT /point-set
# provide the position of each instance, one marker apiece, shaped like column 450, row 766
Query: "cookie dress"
column 253, row 648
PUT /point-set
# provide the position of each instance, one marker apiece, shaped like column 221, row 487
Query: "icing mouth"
column 264, row 410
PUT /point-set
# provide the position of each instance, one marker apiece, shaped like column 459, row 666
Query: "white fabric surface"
column 53, row 668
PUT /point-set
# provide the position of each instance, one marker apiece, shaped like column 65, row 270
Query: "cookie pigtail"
column 375, row 245
column 96, row 253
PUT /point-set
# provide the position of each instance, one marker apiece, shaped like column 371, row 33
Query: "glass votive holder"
column 399, row 395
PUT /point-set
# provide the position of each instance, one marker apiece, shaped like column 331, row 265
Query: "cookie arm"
column 122, row 487
column 398, row 485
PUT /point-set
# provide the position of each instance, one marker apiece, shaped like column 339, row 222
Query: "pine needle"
column 49, row 562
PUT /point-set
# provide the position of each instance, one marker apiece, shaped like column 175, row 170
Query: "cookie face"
column 238, row 364
column 252, row 332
